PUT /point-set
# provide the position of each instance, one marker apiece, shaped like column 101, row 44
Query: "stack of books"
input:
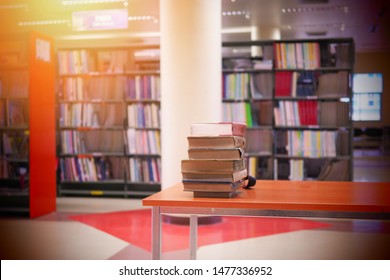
column 215, row 166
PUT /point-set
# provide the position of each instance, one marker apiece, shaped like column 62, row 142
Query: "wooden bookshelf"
column 296, row 100
column 109, row 123
column 28, row 155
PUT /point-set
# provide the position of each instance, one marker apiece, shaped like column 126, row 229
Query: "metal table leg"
column 193, row 236
column 156, row 233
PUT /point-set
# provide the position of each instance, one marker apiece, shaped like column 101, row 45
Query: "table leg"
column 156, row 233
column 193, row 236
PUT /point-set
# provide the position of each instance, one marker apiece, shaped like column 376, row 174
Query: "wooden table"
column 273, row 198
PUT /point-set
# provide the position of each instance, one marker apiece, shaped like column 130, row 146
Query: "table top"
column 287, row 195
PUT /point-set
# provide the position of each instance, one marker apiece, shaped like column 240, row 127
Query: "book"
column 218, row 129
column 215, row 141
column 200, row 194
column 334, row 170
column 213, row 176
column 221, row 153
column 213, row 186
column 214, row 165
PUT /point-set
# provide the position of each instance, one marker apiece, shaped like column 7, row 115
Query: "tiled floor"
column 59, row 236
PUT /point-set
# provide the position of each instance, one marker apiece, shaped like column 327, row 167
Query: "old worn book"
column 215, row 141
column 218, row 129
column 212, row 176
column 211, row 164
column 220, row 153
column 199, row 194
column 189, row 185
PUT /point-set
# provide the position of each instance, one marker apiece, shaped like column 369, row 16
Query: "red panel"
column 42, row 129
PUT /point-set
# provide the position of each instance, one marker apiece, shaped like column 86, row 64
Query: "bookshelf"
column 109, row 123
column 295, row 96
column 27, row 124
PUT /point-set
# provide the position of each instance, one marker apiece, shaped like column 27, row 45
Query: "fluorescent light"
column 342, row 8
column 236, row 13
column 44, row 22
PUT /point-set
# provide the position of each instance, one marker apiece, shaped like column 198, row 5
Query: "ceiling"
column 368, row 22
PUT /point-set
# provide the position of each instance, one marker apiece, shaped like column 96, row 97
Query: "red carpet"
column 135, row 227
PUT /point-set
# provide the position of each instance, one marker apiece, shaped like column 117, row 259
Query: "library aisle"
column 104, row 228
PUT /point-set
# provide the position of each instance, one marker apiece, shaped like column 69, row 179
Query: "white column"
column 190, row 76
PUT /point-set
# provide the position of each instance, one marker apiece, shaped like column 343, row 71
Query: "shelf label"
column 100, row 20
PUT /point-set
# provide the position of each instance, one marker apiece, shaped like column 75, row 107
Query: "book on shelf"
column 142, row 141
column 259, row 141
column 144, row 170
column 215, row 141
column 261, row 85
column 210, row 187
column 262, row 112
column 143, row 115
column 236, row 86
column 343, row 55
column 334, row 113
column 90, row 169
column 142, row 87
column 17, row 113
column 296, row 113
column 218, row 129
column 296, row 170
column 213, row 165
column 220, row 153
column 301, row 55
column 334, row 170
column 333, row 84
column 238, row 112
column 214, row 176
column 309, row 143
column 283, row 83
column 260, row 167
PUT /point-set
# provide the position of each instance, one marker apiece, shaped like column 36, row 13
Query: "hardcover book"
column 215, row 141
column 213, row 165
column 218, row 129
column 212, row 176
column 223, row 153
column 200, row 194
column 213, row 186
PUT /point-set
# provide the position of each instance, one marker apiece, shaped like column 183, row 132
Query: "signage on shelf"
column 100, row 20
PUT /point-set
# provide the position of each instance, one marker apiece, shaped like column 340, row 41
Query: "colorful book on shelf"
column 213, row 165
column 214, row 176
column 218, row 129
column 215, row 141
column 283, row 83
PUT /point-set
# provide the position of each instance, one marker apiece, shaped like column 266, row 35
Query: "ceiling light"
column 44, row 22
column 342, row 8
column 141, row 18
column 236, row 13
